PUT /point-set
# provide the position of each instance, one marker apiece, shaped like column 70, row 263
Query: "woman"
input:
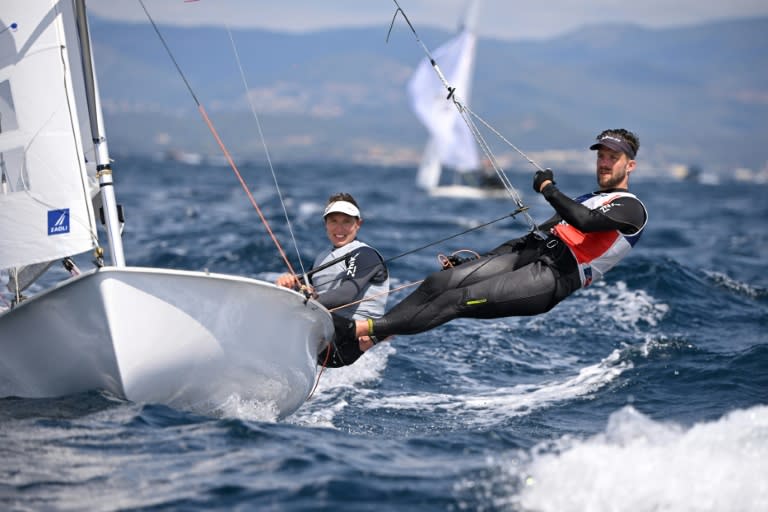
column 350, row 275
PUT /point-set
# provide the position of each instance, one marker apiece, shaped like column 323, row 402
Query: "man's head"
column 619, row 140
column 342, row 219
column 616, row 152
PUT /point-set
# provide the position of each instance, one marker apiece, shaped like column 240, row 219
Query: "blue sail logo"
column 58, row 221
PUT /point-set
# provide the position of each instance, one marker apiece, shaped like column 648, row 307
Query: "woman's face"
column 341, row 228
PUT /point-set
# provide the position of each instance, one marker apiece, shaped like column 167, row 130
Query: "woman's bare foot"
column 365, row 343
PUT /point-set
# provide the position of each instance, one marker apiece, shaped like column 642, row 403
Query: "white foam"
column 734, row 285
column 337, row 386
column 304, row 211
column 639, row 464
column 628, row 307
column 491, row 406
column 249, row 410
column 366, row 369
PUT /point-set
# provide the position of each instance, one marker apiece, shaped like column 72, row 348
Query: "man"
column 349, row 275
column 530, row 275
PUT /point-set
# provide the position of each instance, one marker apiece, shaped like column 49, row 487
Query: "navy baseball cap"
column 615, row 143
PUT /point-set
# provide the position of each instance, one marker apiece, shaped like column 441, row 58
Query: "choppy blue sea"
column 645, row 392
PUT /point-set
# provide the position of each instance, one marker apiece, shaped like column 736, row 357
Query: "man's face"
column 613, row 168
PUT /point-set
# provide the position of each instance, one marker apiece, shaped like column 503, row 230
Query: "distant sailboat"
column 451, row 143
column 154, row 335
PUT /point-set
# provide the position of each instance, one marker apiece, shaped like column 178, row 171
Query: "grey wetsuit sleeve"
column 369, row 268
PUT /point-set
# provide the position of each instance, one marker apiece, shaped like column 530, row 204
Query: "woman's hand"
column 288, row 281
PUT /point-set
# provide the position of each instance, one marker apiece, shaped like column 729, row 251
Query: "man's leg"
column 482, row 290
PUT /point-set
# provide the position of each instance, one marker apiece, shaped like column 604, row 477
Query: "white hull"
column 468, row 192
column 180, row 338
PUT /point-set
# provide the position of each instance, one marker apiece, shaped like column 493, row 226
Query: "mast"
column 103, row 167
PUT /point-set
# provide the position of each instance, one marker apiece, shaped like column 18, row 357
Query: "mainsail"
column 451, row 143
column 45, row 201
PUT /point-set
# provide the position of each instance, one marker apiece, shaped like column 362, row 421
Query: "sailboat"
column 451, row 143
column 148, row 335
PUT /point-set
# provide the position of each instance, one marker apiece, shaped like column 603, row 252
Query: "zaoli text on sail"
column 58, row 221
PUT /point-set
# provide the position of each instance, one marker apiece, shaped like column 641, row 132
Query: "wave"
column 640, row 464
column 336, row 387
column 746, row 289
column 491, row 407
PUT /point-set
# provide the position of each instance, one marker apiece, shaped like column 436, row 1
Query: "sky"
column 502, row 19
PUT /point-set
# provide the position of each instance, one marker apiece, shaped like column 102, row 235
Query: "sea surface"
column 645, row 392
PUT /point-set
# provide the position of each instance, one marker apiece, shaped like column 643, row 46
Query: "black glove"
column 542, row 176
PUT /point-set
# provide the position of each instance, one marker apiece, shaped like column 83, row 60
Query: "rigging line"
column 322, row 370
column 500, row 136
column 215, row 134
column 456, row 235
column 371, row 297
column 491, row 157
column 266, row 149
column 463, row 113
column 522, row 209
column 511, row 190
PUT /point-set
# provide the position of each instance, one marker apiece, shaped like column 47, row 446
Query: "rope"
column 371, row 297
column 507, row 142
column 426, row 246
column 322, row 370
column 266, row 150
column 465, row 114
column 216, row 136
column 245, row 186
column 329, row 347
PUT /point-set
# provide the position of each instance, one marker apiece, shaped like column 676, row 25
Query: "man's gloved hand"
column 542, row 176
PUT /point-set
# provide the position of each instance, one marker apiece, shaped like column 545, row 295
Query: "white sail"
column 451, row 142
column 430, row 167
column 45, row 204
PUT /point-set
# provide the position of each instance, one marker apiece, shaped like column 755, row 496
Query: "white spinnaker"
column 45, row 210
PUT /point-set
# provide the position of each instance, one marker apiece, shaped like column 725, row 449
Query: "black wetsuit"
column 525, row 276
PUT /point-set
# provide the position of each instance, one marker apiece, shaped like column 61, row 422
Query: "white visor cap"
column 342, row 207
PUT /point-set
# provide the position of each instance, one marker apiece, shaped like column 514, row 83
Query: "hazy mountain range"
column 695, row 94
